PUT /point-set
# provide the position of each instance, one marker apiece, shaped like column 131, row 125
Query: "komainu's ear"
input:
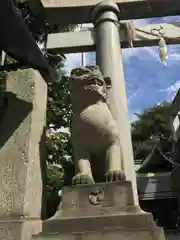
column 108, row 82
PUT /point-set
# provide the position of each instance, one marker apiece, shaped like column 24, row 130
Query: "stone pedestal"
column 21, row 152
column 101, row 211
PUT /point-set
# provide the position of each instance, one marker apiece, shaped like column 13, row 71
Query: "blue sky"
column 148, row 81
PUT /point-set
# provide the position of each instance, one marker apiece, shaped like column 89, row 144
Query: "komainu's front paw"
column 115, row 175
column 82, row 178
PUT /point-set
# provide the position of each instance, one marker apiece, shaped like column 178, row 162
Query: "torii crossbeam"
column 85, row 40
column 79, row 11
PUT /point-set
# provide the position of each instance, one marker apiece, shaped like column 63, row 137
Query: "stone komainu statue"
column 94, row 132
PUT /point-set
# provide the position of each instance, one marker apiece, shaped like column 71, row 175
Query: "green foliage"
column 59, row 148
column 152, row 127
column 59, row 106
column 55, row 177
column 59, row 114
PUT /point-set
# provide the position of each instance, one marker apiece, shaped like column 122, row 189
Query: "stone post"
column 109, row 58
column 21, row 155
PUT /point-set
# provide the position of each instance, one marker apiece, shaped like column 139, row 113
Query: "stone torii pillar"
column 106, row 15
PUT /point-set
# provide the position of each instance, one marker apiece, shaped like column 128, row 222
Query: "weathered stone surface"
column 18, row 229
column 107, row 234
column 21, row 150
column 115, row 217
column 117, row 198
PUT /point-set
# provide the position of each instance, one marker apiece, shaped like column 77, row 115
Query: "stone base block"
column 22, row 165
column 101, row 211
column 19, row 229
column 106, row 235
column 22, row 128
column 127, row 227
